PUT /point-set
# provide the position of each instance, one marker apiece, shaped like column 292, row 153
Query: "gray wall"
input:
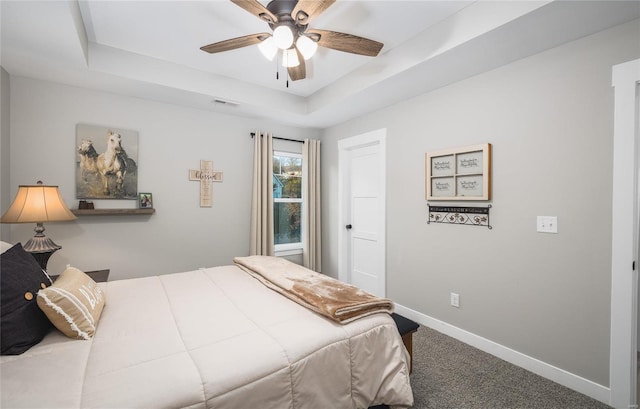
column 550, row 121
column 172, row 140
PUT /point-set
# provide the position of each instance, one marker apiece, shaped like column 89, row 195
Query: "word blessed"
column 444, row 165
column 206, row 175
column 468, row 163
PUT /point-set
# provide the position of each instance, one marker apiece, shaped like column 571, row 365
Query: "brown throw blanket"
column 334, row 299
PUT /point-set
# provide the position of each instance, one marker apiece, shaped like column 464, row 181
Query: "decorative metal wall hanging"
column 473, row 216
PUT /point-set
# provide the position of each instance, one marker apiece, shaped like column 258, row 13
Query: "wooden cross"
column 205, row 175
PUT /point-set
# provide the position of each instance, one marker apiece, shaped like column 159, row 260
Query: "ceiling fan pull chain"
column 285, row 58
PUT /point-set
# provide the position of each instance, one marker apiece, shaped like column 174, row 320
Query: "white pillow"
column 4, row 246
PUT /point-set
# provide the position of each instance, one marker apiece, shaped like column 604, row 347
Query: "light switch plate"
column 547, row 224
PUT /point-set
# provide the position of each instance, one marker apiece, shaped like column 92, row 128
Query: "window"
column 287, row 201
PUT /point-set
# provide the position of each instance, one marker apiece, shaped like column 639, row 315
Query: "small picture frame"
column 145, row 201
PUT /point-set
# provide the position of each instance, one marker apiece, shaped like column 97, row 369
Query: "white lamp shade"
column 306, row 46
column 290, row 58
column 283, row 37
column 268, row 48
column 37, row 204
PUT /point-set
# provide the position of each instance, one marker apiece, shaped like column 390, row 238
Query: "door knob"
column 348, row 226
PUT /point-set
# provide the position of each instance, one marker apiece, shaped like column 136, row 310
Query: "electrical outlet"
column 455, row 300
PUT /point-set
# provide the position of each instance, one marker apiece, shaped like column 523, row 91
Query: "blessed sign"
column 206, row 175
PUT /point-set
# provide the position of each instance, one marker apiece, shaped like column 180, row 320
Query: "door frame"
column 624, row 237
column 345, row 146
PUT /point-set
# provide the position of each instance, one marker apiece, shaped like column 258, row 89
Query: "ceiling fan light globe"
column 268, row 48
column 306, row 46
column 283, row 37
column 290, row 58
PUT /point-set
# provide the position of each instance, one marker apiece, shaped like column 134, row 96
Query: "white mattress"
column 212, row 338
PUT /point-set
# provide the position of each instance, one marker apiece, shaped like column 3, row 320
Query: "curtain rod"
column 282, row 139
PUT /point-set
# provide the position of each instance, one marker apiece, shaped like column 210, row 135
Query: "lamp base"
column 43, row 258
column 41, row 244
column 41, row 247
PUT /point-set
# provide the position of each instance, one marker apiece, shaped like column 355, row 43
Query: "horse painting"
column 111, row 174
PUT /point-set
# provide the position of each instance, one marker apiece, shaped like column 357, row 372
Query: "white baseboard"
column 572, row 381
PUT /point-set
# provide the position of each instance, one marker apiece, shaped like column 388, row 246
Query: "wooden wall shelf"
column 112, row 212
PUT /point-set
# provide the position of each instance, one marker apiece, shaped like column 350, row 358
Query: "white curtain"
column 312, row 233
column 262, row 202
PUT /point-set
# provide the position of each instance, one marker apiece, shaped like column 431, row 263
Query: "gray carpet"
column 448, row 374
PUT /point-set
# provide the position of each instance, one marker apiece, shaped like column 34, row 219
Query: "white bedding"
column 212, row 338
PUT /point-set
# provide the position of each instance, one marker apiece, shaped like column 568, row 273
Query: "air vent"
column 226, row 102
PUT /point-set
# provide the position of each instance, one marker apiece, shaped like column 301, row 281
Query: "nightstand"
column 99, row 276
column 406, row 328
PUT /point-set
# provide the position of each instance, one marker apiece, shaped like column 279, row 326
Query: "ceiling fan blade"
column 257, row 9
column 234, row 43
column 300, row 71
column 348, row 43
column 307, row 10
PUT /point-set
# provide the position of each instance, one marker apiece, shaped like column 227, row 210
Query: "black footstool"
column 406, row 328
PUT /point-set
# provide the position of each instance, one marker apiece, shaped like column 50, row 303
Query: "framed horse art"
column 106, row 163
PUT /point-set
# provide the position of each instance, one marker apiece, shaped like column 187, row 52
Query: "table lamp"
column 38, row 204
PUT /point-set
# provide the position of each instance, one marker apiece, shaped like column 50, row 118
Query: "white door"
column 624, row 240
column 362, row 252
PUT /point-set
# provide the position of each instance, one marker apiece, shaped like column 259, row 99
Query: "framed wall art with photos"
column 459, row 174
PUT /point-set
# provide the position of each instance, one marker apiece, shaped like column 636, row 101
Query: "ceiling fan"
column 289, row 20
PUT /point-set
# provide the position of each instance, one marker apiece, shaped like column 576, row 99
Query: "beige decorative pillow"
column 73, row 303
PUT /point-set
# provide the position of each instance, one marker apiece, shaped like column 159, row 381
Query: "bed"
column 211, row 338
